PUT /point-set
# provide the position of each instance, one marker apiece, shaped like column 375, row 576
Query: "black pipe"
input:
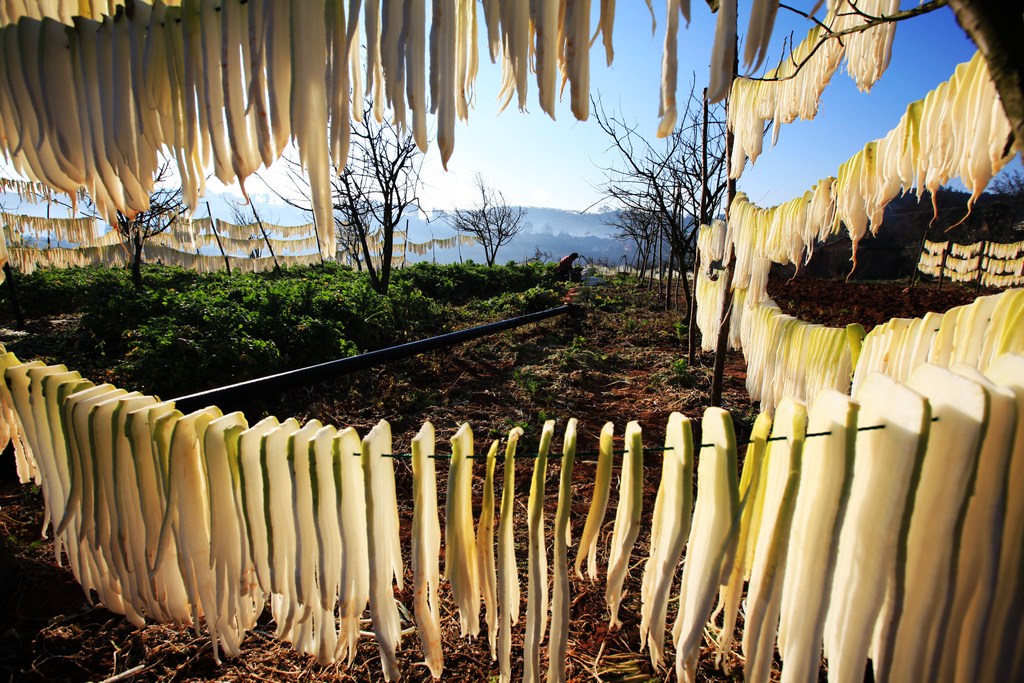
column 274, row 384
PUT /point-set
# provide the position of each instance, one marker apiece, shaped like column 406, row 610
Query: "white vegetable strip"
column 508, row 574
column 764, row 595
column 377, row 471
column 1003, row 629
column 598, row 505
column 190, row 521
column 923, row 585
column 485, row 550
column 558, row 641
column 328, row 539
column 712, row 540
column 303, row 527
column 460, row 563
column 820, row 505
column 254, row 491
column 426, row 549
column 278, row 511
column 355, row 571
column 537, row 561
column 885, row 473
column 627, row 519
column 669, row 531
column 977, row 563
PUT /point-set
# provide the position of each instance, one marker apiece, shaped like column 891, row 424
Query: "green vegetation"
column 185, row 332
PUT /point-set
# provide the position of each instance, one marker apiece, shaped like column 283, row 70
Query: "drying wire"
column 555, row 456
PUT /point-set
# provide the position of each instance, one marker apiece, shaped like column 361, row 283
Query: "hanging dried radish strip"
column 460, row 562
column 627, row 520
column 508, row 574
column 598, row 506
column 669, row 530
column 537, row 561
column 377, row 470
column 820, row 505
column 560, row 547
column 885, row 473
column 485, row 551
column 426, row 549
column 712, row 541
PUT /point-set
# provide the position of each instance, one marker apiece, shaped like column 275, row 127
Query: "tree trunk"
column 137, row 264
column 722, row 346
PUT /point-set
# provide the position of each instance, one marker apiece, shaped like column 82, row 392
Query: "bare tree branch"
column 492, row 222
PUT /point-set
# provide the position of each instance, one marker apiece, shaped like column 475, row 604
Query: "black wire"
column 555, row 456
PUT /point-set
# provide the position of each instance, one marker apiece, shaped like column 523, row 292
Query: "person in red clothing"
column 564, row 270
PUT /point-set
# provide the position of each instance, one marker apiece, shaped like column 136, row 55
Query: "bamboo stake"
column 213, row 226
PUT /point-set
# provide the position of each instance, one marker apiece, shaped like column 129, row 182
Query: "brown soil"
column 619, row 360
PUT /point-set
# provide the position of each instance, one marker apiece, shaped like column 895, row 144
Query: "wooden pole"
column 266, row 238
column 942, row 266
column 691, row 333
column 316, row 234
column 981, row 267
column 718, row 373
column 213, row 226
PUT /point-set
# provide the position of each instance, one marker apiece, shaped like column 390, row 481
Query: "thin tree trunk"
column 691, row 340
column 12, row 293
column 137, row 263
column 721, row 347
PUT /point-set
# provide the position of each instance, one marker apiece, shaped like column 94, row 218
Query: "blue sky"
column 540, row 162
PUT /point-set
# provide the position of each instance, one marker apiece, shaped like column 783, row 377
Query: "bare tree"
column 662, row 189
column 492, row 222
column 1009, row 184
column 372, row 193
column 165, row 204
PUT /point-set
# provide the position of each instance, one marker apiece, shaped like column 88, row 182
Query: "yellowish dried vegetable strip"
column 598, row 505
column 377, row 469
column 903, row 648
column 669, row 531
column 228, row 552
column 885, row 473
column 485, row 551
column 165, row 581
column 820, row 506
column 328, row 540
column 355, row 571
column 749, row 492
column 1002, row 633
column 764, row 594
column 254, row 489
column 104, row 507
column 957, row 653
column 460, row 563
column 278, row 511
column 537, row 562
column 561, row 540
column 508, row 574
column 190, row 521
column 131, row 533
column 303, row 531
column 627, row 519
column 426, row 549
column 712, row 541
